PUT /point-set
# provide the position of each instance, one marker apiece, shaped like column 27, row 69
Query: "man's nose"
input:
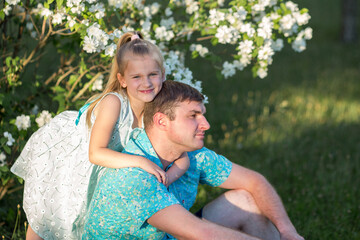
column 204, row 124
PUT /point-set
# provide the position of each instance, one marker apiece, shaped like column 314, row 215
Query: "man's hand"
column 290, row 236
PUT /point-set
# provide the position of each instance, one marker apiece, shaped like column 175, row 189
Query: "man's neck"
column 163, row 148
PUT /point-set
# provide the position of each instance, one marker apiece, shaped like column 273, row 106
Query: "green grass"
column 299, row 127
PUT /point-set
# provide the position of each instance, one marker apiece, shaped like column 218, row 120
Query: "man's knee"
column 237, row 209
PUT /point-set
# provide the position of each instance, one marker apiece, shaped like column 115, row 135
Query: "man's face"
column 187, row 131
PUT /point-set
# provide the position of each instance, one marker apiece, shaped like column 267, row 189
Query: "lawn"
column 299, row 127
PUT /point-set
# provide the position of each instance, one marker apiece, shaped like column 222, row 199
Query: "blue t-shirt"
column 125, row 198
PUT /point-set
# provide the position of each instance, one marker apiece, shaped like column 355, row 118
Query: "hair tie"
column 135, row 36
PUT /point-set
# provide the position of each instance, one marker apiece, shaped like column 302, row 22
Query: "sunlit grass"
column 299, row 127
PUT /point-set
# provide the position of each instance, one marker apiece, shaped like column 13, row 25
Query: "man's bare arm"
column 180, row 223
column 266, row 198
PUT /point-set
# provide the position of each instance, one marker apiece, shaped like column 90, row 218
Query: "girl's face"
column 142, row 79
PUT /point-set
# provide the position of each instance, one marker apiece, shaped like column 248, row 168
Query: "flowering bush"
column 60, row 51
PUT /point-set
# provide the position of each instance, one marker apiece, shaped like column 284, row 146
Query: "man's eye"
column 153, row 74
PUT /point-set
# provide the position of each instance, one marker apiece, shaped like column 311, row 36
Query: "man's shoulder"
column 203, row 153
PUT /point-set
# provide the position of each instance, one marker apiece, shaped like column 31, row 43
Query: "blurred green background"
column 299, row 127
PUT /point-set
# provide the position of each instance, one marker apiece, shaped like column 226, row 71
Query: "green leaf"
column 20, row 179
column 2, row 15
column 214, row 41
column 4, row 169
column 50, row 1
column 58, row 89
column 59, row 3
column 5, row 180
column 46, row 5
column 259, row 41
column 194, row 54
column 7, row 149
column 8, row 62
column 2, row 96
column 304, row 10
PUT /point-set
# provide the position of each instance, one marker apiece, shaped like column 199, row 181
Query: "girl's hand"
column 153, row 169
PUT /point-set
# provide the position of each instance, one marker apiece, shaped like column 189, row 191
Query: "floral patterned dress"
column 59, row 179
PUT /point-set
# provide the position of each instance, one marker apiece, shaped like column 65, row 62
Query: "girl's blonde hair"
column 126, row 48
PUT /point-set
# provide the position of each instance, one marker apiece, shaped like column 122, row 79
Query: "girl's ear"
column 121, row 80
column 160, row 120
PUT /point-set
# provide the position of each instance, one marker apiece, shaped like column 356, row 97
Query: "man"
column 130, row 203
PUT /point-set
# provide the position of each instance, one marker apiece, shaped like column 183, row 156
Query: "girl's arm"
column 179, row 167
column 107, row 113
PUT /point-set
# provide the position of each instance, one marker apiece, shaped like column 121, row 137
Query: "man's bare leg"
column 237, row 209
column 31, row 235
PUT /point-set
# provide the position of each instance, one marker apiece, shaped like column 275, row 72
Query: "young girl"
column 56, row 162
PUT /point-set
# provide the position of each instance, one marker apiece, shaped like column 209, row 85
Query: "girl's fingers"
column 157, row 175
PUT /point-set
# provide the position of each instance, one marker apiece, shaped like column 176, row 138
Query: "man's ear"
column 121, row 80
column 161, row 121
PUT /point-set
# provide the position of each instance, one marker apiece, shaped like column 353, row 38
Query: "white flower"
column 85, row 22
column 299, row 44
column 292, row 6
column 227, row 34
column 168, row 12
column 265, row 28
column 45, row 12
column 89, row 45
column 78, row 9
column 265, row 52
column 58, row 18
column 2, row 159
column 71, row 21
column 240, row 13
column 98, row 9
column 191, row 6
column 248, row 29
column 308, row 33
column 98, row 84
column 239, row 65
column 216, row 17
column 228, row 69
column 287, row 22
column 162, row 34
column 301, row 19
column 262, row 72
column 245, row 59
column 246, row 47
column 29, row 26
column 7, row 10
column 12, row 2
column 22, row 122
column 11, row 140
column 43, row 118
column 145, row 25
column 110, row 50
column 221, row 2
column 200, row 49
column 277, row 45
column 71, row 3
column 35, row 110
column 115, row 3
column 167, row 22
column 154, row 8
column 33, row 34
